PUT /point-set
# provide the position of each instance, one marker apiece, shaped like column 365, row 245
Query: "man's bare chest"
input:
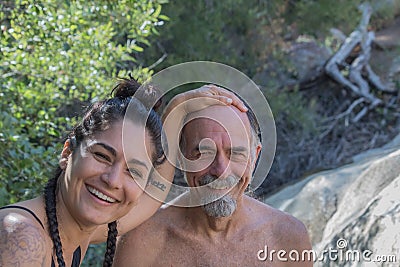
column 191, row 251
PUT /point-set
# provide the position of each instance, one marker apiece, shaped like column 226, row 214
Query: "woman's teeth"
column 100, row 195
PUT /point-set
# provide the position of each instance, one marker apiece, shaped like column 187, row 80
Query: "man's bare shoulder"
column 285, row 227
column 260, row 209
column 23, row 241
column 279, row 230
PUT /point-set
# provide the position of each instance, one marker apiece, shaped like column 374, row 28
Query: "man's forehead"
column 220, row 120
column 224, row 115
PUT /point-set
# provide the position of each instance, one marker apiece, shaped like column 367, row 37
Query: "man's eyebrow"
column 234, row 149
column 204, row 147
column 239, row 149
column 137, row 162
column 108, row 148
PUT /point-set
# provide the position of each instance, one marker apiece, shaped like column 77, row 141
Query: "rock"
column 389, row 38
column 359, row 203
column 376, row 229
column 303, row 62
column 308, row 60
column 314, row 200
column 386, row 59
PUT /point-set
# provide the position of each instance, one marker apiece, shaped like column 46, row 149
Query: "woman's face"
column 104, row 179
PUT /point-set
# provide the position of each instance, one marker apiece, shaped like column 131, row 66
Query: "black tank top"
column 76, row 258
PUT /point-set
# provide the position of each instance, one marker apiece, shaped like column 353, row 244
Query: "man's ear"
column 257, row 156
column 65, row 153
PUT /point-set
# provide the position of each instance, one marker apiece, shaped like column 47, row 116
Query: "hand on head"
column 203, row 97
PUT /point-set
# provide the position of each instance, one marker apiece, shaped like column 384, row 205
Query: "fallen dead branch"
column 357, row 74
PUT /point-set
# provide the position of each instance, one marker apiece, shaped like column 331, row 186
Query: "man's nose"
column 220, row 165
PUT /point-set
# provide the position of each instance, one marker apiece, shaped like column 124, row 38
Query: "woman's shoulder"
column 24, row 241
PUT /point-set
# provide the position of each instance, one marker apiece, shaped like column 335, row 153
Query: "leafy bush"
column 57, row 55
column 220, row 31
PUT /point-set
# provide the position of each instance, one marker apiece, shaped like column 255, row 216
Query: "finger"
column 224, row 99
column 234, row 100
column 239, row 104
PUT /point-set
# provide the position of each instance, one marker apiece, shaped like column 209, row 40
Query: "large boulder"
column 358, row 204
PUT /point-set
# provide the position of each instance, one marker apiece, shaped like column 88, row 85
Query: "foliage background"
column 57, row 56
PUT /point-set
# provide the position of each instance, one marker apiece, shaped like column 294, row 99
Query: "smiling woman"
column 98, row 181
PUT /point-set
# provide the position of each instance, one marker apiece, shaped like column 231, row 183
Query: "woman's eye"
column 102, row 156
column 135, row 173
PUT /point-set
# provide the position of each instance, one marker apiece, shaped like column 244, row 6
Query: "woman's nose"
column 113, row 177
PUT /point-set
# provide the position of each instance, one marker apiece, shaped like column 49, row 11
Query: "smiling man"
column 220, row 145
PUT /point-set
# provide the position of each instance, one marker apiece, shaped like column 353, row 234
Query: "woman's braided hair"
column 99, row 117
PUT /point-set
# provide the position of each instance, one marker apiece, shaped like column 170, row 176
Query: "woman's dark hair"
column 99, row 117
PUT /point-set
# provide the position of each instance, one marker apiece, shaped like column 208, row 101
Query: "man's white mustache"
column 221, row 183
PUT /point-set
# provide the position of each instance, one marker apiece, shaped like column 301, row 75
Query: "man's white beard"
column 223, row 207
column 214, row 205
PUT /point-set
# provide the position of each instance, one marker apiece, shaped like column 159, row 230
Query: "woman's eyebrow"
column 108, row 148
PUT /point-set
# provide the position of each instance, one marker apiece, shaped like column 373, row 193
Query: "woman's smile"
column 104, row 197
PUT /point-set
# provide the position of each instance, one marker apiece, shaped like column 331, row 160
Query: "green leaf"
column 163, row 17
column 137, row 48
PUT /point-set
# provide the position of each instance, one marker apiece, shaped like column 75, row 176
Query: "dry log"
column 360, row 73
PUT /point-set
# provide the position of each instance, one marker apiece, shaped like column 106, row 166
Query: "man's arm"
column 295, row 238
column 303, row 245
column 22, row 243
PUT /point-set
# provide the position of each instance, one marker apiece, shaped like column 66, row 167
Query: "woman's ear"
column 65, row 154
